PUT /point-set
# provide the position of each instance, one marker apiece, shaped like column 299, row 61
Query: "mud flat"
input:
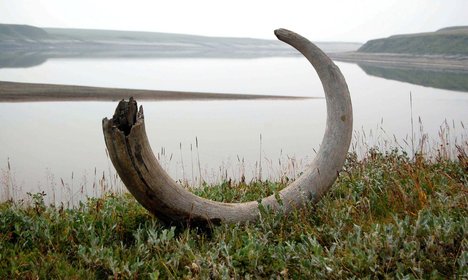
column 28, row 92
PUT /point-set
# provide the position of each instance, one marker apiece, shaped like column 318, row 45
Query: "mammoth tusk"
column 131, row 154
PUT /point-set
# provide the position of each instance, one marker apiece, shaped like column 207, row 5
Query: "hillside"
column 66, row 42
column 22, row 37
column 21, row 33
column 446, row 41
column 141, row 37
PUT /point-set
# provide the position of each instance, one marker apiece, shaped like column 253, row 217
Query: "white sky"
column 325, row 20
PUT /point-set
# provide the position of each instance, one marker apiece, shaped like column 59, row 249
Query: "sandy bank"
column 27, row 92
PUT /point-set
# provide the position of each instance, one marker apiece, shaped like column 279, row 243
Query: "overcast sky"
column 326, row 20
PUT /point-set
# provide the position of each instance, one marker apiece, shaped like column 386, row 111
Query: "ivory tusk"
column 131, row 154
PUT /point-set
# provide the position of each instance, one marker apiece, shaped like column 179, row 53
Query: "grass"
column 387, row 216
column 444, row 42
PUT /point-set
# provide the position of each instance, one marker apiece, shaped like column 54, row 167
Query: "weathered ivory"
column 131, row 154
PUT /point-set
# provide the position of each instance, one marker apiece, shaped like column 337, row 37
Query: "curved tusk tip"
column 281, row 32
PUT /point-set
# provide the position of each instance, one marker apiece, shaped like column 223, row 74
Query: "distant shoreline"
column 427, row 62
column 31, row 92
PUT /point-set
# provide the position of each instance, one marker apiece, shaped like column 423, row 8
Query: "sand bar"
column 29, row 92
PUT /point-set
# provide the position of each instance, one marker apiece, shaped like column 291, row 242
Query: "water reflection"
column 15, row 59
column 450, row 80
column 26, row 59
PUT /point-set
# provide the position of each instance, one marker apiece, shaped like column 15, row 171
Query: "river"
column 58, row 147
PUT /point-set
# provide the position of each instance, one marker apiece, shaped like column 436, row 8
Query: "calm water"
column 59, row 145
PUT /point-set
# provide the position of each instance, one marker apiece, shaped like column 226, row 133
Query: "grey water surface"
column 58, row 147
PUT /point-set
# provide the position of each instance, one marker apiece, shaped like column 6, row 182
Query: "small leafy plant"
column 387, row 216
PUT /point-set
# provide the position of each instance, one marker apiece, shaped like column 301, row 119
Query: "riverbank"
column 29, row 92
column 407, row 61
column 387, row 216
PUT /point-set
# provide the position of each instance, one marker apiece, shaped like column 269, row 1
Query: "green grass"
column 445, row 41
column 386, row 217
